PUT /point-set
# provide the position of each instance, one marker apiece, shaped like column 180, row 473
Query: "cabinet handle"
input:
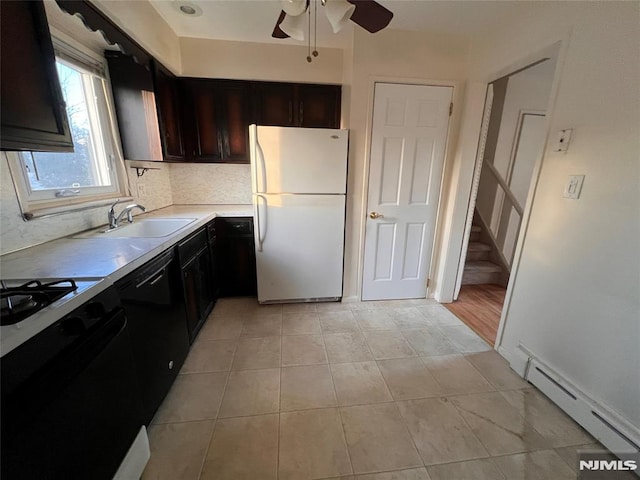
column 170, row 364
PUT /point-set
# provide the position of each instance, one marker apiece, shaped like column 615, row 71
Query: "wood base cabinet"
column 236, row 257
column 197, row 280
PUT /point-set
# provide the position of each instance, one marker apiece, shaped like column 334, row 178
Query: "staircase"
column 479, row 268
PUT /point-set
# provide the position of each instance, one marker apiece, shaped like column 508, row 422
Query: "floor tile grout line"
column 344, row 433
column 206, row 453
column 406, row 426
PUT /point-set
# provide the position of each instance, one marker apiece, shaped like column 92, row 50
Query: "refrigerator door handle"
column 259, row 223
column 260, row 179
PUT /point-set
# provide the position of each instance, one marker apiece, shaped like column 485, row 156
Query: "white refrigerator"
column 299, row 178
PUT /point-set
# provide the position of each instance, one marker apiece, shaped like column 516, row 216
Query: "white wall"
column 576, row 293
column 258, row 61
column 527, row 90
column 393, row 56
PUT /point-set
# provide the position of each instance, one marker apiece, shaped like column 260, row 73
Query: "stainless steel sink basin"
column 144, row 228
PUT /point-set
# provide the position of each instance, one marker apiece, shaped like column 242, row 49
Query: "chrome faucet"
column 114, row 219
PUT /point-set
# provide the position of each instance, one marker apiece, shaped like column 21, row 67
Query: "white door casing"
column 408, row 140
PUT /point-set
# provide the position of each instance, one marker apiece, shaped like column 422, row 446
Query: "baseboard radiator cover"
column 609, row 428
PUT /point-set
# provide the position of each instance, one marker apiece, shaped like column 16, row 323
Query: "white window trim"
column 35, row 206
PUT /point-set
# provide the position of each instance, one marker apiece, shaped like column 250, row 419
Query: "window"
column 91, row 172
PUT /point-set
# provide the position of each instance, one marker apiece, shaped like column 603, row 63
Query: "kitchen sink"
column 144, row 228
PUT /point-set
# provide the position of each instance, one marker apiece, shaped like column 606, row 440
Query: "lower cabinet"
column 236, row 256
column 197, row 280
column 153, row 302
column 167, row 300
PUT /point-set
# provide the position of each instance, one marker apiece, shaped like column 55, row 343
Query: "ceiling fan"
column 368, row 14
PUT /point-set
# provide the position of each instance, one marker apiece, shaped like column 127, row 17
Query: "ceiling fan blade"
column 277, row 31
column 370, row 15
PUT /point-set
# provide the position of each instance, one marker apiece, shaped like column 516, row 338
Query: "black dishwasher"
column 70, row 399
column 152, row 299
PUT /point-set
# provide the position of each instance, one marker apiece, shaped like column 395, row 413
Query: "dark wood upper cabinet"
column 217, row 119
column 319, row 106
column 170, row 113
column 236, row 109
column 297, row 105
column 32, row 107
column 203, row 135
column 134, row 98
column 275, row 104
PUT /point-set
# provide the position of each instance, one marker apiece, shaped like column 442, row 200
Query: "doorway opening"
column 511, row 146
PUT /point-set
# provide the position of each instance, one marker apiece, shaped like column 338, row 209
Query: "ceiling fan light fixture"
column 294, row 7
column 338, row 13
column 294, row 26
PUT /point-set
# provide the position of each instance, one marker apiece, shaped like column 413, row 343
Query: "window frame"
column 37, row 203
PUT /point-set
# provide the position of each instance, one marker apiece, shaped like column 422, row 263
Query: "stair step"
column 479, row 247
column 475, row 233
column 482, row 266
column 478, row 251
column 481, row 272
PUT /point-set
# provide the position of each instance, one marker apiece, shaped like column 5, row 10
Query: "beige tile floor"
column 397, row 390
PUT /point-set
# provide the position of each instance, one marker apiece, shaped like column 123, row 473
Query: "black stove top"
column 21, row 301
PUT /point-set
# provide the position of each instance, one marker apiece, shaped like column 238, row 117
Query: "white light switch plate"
column 574, row 186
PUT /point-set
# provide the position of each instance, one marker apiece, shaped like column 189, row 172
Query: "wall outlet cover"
column 563, row 138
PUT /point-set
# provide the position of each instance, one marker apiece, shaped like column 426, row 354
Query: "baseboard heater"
column 614, row 432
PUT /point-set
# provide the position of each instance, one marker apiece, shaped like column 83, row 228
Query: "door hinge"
column 428, row 282
column 450, row 108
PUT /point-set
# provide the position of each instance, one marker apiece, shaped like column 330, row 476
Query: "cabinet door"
column 236, row 257
column 134, row 98
column 204, row 136
column 32, row 108
column 236, row 103
column 275, row 104
column 319, row 106
column 170, row 113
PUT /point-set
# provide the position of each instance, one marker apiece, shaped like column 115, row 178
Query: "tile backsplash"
column 166, row 184
column 15, row 233
column 211, row 183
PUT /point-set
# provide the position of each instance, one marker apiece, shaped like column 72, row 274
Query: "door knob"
column 374, row 215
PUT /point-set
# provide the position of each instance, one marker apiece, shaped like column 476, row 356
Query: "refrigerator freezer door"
column 298, row 160
column 299, row 246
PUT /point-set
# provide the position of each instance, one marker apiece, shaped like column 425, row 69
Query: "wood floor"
column 480, row 306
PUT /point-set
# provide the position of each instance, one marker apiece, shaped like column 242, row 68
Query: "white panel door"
column 299, row 246
column 408, row 139
column 299, row 160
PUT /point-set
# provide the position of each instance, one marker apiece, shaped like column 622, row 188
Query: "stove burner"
column 18, row 303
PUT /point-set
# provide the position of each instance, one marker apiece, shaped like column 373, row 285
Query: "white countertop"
column 98, row 257
column 103, row 259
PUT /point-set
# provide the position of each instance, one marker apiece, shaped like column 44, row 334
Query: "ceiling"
column 253, row 20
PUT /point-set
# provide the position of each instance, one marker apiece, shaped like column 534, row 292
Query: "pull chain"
column 309, row 39
column 315, row 28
